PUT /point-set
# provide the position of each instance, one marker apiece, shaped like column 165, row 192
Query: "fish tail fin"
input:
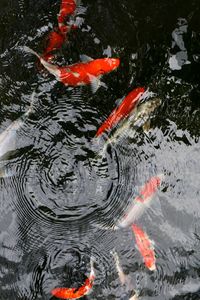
column 161, row 176
column 29, row 50
column 32, row 102
column 31, row 107
column 92, row 271
column 50, row 67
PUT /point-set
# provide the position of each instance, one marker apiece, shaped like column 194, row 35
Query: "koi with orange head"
column 83, row 73
column 121, row 111
column 75, row 293
column 145, row 247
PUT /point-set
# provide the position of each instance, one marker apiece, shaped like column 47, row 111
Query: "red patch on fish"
column 85, row 72
column 145, row 247
column 74, row 293
column 55, row 41
column 67, row 8
column 122, row 111
column 149, row 189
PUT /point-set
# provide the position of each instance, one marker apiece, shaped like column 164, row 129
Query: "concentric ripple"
column 60, row 174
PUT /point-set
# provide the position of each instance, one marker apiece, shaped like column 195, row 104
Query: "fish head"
column 108, row 64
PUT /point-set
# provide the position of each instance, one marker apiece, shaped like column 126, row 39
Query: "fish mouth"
column 114, row 62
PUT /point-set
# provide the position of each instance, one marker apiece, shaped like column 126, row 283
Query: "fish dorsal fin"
column 85, row 58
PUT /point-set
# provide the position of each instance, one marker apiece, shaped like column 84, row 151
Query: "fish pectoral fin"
column 95, row 83
column 85, row 58
column 147, row 126
column 103, row 84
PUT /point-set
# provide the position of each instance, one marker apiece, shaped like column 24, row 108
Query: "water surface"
column 58, row 190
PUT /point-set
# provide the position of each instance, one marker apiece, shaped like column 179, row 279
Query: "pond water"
column 57, row 196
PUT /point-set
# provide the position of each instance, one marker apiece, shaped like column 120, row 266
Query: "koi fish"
column 55, row 40
column 122, row 276
column 124, row 279
column 8, row 137
column 87, row 72
column 138, row 117
column 122, row 110
column 141, row 202
column 67, row 8
column 75, row 293
column 145, row 247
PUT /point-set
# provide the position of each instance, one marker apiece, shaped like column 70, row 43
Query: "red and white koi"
column 87, row 72
column 57, row 37
column 75, row 293
column 141, row 202
column 67, row 8
column 145, row 246
column 122, row 111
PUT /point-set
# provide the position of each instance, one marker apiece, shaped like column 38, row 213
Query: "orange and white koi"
column 145, row 247
column 122, row 111
column 87, row 72
column 67, row 8
column 75, row 293
column 141, row 202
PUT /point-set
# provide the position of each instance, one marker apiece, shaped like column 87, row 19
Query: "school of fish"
column 130, row 113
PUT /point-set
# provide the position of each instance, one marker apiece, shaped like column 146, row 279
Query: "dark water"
column 60, row 190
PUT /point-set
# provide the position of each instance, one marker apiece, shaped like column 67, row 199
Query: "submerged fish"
column 124, row 279
column 122, row 276
column 67, row 8
column 82, row 73
column 75, row 293
column 139, row 117
column 139, row 205
column 122, row 111
column 145, row 246
column 141, row 202
column 8, row 137
column 55, row 40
